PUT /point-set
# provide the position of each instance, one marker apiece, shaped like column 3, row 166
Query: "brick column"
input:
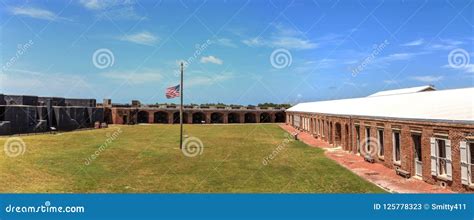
column 242, row 118
column 151, row 117
column 170, row 117
column 190, row 117
column 208, row 118
column 226, row 118
column 257, row 117
column 426, row 155
column 406, row 149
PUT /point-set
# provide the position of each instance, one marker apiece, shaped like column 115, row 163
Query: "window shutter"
column 464, row 165
column 449, row 164
column 434, row 161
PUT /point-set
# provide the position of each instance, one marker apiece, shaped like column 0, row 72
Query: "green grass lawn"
column 146, row 158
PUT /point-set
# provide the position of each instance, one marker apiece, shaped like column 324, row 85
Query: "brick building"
column 169, row 114
column 419, row 132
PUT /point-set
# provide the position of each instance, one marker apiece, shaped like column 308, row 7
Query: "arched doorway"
column 161, row 117
column 176, row 118
column 199, row 118
column 142, row 117
column 265, row 118
column 250, row 118
column 280, row 117
column 233, row 118
column 217, row 117
column 338, row 135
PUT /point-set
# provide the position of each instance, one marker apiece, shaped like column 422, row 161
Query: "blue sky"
column 242, row 52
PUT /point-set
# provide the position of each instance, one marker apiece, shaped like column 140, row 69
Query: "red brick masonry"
column 376, row 173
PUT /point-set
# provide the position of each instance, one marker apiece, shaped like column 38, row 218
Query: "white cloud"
column 282, row 42
column 322, row 63
column 399, row 56
column 144, row 38
column 414, row 43
column 148, row 76
column 37, row 13
column 428, row 78
column 93, row 4
column 283, row 37
column 468, row 68
column 211, row 59
column 390, row 81
column 446, row 44
column 293, row 43
column 253, row 42
column 103, row 4
column 208, row 80
column 113, row 9
column 226, row 42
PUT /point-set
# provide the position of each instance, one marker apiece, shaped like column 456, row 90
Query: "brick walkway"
column 376, row 173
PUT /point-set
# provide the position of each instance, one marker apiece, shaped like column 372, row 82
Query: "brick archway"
column 199, row 117
column 265, row 117
column 338, row 134
column 217, row 117
column 233, row 118
column 250, row 118
column 142, row 117
column 280, row 117
column 161, row 117
column 176, row 118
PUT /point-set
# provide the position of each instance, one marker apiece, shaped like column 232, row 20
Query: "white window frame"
column 395, row 161
column 367, row 138
column 465, row 159
column 380, row 144
column 435, row 159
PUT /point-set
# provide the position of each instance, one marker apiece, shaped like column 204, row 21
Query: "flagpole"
column 181, row 111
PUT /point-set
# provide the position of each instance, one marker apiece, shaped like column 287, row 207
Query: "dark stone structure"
column 30, row 114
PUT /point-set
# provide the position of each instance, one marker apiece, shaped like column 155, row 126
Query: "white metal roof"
column 404, row 90
column 453, row 104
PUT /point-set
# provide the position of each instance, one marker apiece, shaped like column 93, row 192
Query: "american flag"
column 172, row 92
